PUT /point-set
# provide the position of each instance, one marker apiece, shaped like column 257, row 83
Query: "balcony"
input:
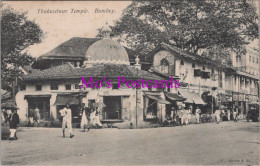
column 248, row 69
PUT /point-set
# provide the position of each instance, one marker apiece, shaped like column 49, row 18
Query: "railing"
column 248, row 69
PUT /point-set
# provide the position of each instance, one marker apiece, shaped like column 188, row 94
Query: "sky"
column 60, row 27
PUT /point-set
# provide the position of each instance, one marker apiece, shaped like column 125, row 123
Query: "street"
column 195, row 144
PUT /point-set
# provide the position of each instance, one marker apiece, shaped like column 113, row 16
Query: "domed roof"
column 107, row 51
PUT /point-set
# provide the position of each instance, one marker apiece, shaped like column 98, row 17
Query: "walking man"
column 235, row 115
column 198, row 111
column 14, row 121
column 66, row 120
column 217, row 114
column 228, row 114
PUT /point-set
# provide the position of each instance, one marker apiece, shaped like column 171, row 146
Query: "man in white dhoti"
column 228, row 114
column 66, row 120
column 84, row 119
column 94, row 116
column 197, row 114
column 217, row 114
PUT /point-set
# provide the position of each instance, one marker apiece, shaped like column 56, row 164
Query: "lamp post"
column 212, row 106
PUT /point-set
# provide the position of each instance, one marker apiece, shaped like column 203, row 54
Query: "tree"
column 214, row 26
column 17, row 34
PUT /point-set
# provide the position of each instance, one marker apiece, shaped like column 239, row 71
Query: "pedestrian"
column 182, row 115
column 30, row 117
column 235, row 115
column 37, row 116
column 13, row 121
column 217, row 114
column 228, row 114
column 94, row 116
column 189, row 115
column 186, row 118
column 84, row 119
column 66, row 120
column 197, row 114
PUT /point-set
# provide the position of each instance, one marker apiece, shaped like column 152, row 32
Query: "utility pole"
column 136, row 102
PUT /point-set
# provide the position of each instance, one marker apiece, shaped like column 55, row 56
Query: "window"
column 203, row 67
column 249, row 58
column 77, row 86
column 212, row 70
column 164, row 66
column 193, row 65
column 115, row 86
column 22, row 87
column 253, row 59
column 68, row 86
column 182, row 62
column 54, row 86
column 257, row 60
column 238, row 58
column 38, row 87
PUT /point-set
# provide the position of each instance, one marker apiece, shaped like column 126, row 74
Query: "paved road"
column 203, row 144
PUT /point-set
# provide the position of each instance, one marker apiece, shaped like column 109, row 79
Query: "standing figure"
column 186, row 118
column 197, row 114
column 217, row 114
column 84, row 119
column 182, row 115
column 189, row 115
column 94, row 116
column 228, row 114
column 37, row 115
column 235, row 115
column 66, row 120
column 13, row 121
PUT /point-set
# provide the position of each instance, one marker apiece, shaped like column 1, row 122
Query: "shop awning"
column 185, row 94
column 191, row 97
column 158, row 99
column 66, row 99
column 36, row 96
column 174, row 97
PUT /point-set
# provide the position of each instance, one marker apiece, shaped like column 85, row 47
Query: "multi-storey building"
column 200, row 78
column 243, row 81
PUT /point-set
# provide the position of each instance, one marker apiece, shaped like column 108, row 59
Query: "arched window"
column 164, row 66
column 193, row 65
column 182, row 62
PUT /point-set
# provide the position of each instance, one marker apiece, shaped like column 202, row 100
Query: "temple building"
column 59, row 82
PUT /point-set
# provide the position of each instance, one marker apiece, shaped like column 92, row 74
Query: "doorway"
column 113, row 109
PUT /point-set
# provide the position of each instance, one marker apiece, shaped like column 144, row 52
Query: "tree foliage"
column 214, row 26
column 17, row 34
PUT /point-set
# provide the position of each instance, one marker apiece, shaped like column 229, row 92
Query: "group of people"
column 220, row 112
column 34, row 116
column 89, row 116
column 183, row 115
column 11, row 117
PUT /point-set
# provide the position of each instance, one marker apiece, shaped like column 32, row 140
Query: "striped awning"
column 191, row 97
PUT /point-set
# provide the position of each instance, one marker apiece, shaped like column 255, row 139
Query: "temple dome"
column 106, row 51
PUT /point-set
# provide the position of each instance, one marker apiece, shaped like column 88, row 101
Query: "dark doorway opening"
column 43, row 104
column 113, row 109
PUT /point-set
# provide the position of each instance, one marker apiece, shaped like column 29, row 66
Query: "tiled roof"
column 67, row 71
column 75, row 47
column 186, row 54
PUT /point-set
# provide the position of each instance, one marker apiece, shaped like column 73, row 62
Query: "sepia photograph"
column 137, row 82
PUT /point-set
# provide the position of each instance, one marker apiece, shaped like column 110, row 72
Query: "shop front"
column 193, row 100
column 154, row 107
column 40, row 102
